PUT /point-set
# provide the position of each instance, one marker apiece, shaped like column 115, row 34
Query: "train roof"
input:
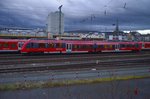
column 13, row 40
column 78, row 41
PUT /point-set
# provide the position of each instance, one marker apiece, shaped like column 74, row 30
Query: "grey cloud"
column 132, row 14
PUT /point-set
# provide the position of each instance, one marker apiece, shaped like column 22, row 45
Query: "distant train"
column 11, row 45
column 76, row 46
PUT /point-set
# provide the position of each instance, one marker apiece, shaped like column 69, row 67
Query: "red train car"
column 11, row 45
column 69, row 46
column 40, row 46
column 118, row 46
column 145, row 45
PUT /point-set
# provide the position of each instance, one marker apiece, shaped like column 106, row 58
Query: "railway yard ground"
column 35, row 71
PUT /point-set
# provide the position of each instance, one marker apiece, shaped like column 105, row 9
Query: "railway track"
column 80, row 64
column 5, row 62
column 19, row 56
column 19, row 63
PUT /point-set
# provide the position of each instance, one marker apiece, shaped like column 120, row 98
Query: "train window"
column 19, row 45
column 54, row 45
column 5, row 45
column 28, row 45
column 87, row 46
column 113, row 46
column 74, row 46
column 51, row 45
column 35, row 45
column 41, row 45
column 90, row 46
column 136, row 45
column 13, row 45
column 95, row 46
column 101, row 46
column 122, row 45
column 110, row 46
column 98, row 46
column 129, row 45
column 105, row 46
column 81, row 46
column 58, row 45
column 47, row 45
column 78, row 46
column 1, row 45
column 84, row 46
column 63, row 45
column 31, row 45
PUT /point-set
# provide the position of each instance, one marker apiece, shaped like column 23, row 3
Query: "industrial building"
column 53, row 23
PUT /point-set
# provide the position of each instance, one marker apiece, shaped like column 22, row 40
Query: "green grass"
column 32, row 85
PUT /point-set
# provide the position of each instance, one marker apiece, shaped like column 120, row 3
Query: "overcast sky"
column 79, row 14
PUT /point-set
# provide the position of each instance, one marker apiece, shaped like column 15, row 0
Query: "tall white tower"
column 53, row 23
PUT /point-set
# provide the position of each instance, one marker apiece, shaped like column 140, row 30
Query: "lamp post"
column 116, row 30
column 60, row 19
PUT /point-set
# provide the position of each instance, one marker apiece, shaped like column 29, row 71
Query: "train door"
column 20, row 44
column 68, row 48
column 143, row 45
column 117, row 46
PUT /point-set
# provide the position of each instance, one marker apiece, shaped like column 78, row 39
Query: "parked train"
column 11, row 45
column 70, row 46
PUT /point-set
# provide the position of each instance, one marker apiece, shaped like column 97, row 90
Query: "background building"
column 24, row 33
column 53, row 23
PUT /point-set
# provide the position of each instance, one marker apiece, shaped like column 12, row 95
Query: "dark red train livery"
column 73, row 46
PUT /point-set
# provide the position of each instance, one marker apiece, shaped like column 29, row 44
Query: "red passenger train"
column 11, row 45
column 70, row 46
